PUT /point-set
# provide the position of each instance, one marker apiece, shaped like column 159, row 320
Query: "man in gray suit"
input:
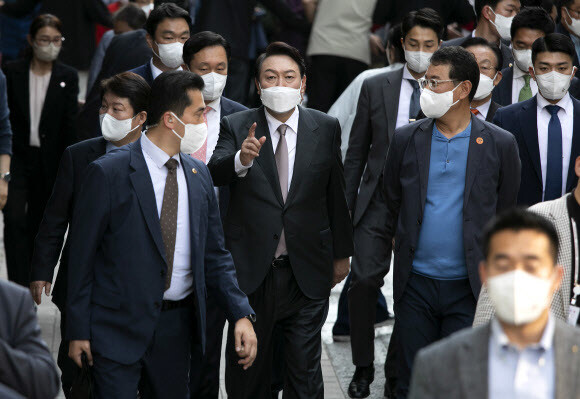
column 525, row 352
column 560, row 212
column 26, row 366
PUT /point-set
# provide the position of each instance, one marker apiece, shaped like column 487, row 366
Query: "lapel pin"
column 194, row 171
column 62, row 84
column 479, row 140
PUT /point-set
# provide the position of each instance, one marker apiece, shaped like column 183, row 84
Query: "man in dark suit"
column 548, row 171
column 450, row 172
column 125, row 96
column 489, row 13
column 569, row 24
column 26, row 366
column 208, row 55
column 167, row 30
column 387, row 101
column 146, row 245
column 287, row 224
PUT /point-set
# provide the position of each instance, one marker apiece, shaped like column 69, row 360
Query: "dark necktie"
column 415, row 104
column 281, row 157
column 554, row 164
column 168, row 218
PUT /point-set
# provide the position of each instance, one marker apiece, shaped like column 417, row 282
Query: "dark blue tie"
column 554, row 168
column 414, row 105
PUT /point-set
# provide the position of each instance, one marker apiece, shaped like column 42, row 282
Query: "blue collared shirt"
column 521, row 373
column 440, row 253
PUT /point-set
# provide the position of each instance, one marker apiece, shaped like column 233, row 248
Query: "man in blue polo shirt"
column 444, row 178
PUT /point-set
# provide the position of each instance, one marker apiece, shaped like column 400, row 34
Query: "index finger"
column 238, row 340
column 252, row 131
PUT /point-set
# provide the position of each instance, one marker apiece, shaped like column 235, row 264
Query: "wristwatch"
column 252, row 318
column 6, row 177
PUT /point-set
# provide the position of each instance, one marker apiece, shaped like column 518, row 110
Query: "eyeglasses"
column 433, row 83
column 57, row 41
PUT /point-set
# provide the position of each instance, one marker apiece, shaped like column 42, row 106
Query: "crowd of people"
column 167, row 166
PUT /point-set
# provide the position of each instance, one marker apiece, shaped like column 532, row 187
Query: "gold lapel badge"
column 479, row 140
column 194, row 171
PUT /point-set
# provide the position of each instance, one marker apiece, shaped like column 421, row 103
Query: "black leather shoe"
column 361, row 380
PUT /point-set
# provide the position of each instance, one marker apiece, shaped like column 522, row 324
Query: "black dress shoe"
column 362, row 379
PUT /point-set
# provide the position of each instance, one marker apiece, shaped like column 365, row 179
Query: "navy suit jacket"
column 502, row 93
column 58, row 215
column 117, row 258
column 145, row 72
column 521, row 120
column 491, row 185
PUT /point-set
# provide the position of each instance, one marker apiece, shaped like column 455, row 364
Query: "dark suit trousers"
column 429, row 310
column 329, row 76
column 28, row 193
column 162, row 373
column 280, row 304
column 370, row 264
column 67, row 366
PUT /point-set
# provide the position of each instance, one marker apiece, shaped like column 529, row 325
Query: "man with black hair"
column 569, row 24
column 387, row 101
column 450, row 172
column 287, row 225
column 167, row 30
column 124, row 97
column 547, row 127
column 517, row 84
column 524, row 352
column 494, row 18
column 146, row 246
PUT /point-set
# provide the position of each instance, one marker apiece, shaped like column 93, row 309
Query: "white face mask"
column 435, row 105
column 418, row 61
column 193, row 138
column 523, row 59
column 114, row 130
column 280, row 99
column 553, row 85
column 519, row 297
column 171, row 55
column 485, row 87
column 147, row 9
column 575, row 25
column 214, row 86
column 46, row 53
column 503, row 25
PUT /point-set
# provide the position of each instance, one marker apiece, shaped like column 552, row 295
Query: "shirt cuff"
column 240, row 169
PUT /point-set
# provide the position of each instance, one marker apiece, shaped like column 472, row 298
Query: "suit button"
column 418, row 222
column 276, row 236
column 162, row 273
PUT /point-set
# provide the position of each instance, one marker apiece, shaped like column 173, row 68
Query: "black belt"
column 281, row 261
column 183, row 303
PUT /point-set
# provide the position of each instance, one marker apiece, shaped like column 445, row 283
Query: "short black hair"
column 280, row 48
column 531, row 3
column 533, row 18
column 519, row 219
column 394, row 39
column 132, row 14
column 164, row 11
column 201, row 40
column 553, row 43
column 169, row 93
column 564, row 3
column 425, row 18
column 180, row 3
column 547, row 5
column 131, row 86
column 479, row 4
column 462, row 65
column 480, row 41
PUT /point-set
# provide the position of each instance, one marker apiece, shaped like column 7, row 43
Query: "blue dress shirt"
column 440, row 253
column 521, row 373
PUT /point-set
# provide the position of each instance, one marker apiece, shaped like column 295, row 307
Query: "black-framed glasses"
column 433, row 83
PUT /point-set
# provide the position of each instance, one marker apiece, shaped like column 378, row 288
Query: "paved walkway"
column 337, row 367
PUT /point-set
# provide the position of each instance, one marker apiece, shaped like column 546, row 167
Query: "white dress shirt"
column 38, row 87
column 566, row 116
column 404, row 99
column 291, row 136
column 156, row 71
column 518, row 83
column 483, row 110
column 182, row 277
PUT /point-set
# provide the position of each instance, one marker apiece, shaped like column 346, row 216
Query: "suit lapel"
column 306, row 143
column 225, row 107
column 194, row 193
column 423, row 151
column 575, row 150
column 391, row 92
column 266, row 158
column 98, row 149
column 529, row 130
column 475, row 154
column 143, row 186
column 51, row 92
column 473, row 361
column 507, row 94
column 493, row 107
